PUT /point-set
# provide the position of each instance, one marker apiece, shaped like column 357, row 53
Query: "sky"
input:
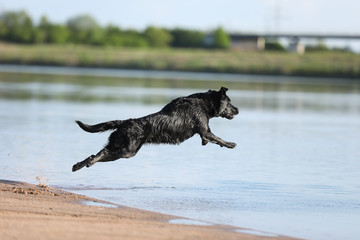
column 253, row 16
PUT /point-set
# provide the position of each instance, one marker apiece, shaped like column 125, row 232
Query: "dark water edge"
column 175, row 79
column 153, row 65
column 170, row 74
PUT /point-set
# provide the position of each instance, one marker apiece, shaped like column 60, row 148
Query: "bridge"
column 257, row 41
column 296, row 35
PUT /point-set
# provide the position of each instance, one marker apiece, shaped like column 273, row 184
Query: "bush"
column 58, row 34
column 84, row 29
column 317, row 48
column 187, row 38
column 157, row 37
column 221, row 39
column 274, row 46
column 16, row 27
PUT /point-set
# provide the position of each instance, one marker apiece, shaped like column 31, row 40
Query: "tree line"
column 18, row 27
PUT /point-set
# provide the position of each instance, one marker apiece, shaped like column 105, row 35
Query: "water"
column 295, row 170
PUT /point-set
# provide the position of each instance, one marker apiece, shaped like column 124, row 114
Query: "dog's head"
column 226, row 109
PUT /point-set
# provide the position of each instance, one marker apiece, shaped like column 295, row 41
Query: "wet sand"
column 39, row 212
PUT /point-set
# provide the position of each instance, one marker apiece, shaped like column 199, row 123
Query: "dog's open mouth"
column 229, row 115
column 226, row 115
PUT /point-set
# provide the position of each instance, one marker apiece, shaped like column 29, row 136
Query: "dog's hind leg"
column 82, row 164
column 128, row 152
column 110, row 153
column 104, row 154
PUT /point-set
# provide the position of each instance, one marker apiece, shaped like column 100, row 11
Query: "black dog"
column 176, row 122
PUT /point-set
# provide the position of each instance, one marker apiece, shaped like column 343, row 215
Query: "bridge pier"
column 296, row 46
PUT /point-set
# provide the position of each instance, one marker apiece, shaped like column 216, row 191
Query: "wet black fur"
column 177, row 121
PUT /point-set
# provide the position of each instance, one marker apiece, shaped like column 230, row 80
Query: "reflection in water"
column 245, row 95
column 295, row 170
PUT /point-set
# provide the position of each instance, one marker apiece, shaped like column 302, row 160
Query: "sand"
column 30, row 211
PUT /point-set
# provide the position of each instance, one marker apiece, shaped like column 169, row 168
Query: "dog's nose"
column 236, row 110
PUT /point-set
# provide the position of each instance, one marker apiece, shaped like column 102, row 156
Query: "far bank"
column 316, row 64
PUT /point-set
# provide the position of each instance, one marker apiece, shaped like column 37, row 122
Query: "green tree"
column 47, row 32
column 319, row 47
column 157, row 37
column 113, row 36
column 84, row 29
column 39, row 35
column 58, row 34
column 274, row 46
column 96, row 36
column 187, row 38
column 3, row 30
column 133, row 38
column 44, row 23
column 41, row 32
column 18, row 25
column 221, row 39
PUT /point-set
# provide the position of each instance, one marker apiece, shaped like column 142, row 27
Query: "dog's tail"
column 101, row 127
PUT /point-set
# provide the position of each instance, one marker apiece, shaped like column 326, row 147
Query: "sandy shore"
column 39, row 212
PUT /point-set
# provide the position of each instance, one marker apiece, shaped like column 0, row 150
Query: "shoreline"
column 165, row 74
column 38, row 211
column 317, row 64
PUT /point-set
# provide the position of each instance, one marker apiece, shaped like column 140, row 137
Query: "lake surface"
column 295, row 170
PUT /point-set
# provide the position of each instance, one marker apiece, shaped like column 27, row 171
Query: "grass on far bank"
column 322, row 64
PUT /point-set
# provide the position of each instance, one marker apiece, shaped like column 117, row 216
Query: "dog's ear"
column 223, row 90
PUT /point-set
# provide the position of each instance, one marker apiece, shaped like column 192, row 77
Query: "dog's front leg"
column 210, row 137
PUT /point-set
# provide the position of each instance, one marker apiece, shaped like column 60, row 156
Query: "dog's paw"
column 230, row 145
column 76, row 167
column 204, row 142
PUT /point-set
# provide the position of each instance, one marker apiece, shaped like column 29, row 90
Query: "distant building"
column 243, row 41
column 247, row 43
